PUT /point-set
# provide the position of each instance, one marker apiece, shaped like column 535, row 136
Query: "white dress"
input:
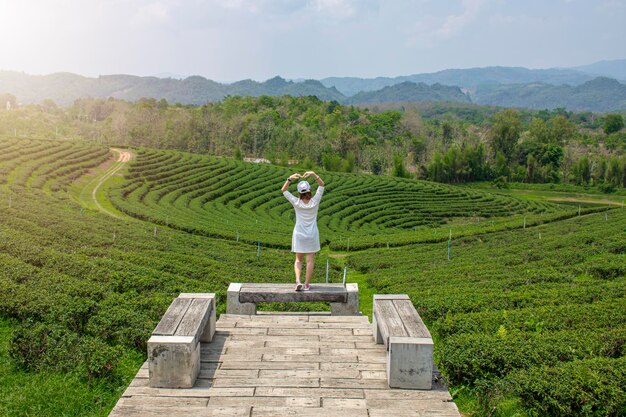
column 306, row 237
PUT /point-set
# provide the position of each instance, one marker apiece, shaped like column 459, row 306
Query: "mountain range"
column 597, row 87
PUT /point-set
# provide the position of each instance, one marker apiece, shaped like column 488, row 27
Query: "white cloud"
column 150, row 13
column 340, row 9
column 456, row 23
column 430, row 30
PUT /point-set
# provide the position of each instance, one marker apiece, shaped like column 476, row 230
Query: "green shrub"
column 98, row 359
column 38, row 346
column 467, row 358
column 592, row 387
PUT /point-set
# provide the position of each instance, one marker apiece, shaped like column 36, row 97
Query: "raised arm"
column 317, row 177
column 292, row 177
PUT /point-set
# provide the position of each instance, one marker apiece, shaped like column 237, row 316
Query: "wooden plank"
column 410, row 404
column 147, row 411
column 309, row 343
column 229, row 318
column 191, row 392
column 338, row 319
column 373, row 375
column 309, row 358
column 172, row 317
column 270, row 365
column 353, row 383
column 388, row 320
column 241, row 330
column 236, row 373
column 406, row 394
column 310, row 373
column 345, row 325
column 265, row 401
column 306, row 392
column 178, row 402
column 372, row 358
column 369, row 345
column 251, row 344
column 269, row 338
column 343, row 338
column 275, row 350
column 384, row 412
column 352, row 351
column 309, row 332
column 278, row 324
column 411, row 320
column 266, row 382
column 306, row 412
column 237, row 357
column 360, row 366
column 345, row 403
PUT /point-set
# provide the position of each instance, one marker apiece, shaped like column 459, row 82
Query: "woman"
column 306, row 238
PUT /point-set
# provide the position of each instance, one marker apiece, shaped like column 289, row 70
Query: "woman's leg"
column 298, row 266
column 310, row 263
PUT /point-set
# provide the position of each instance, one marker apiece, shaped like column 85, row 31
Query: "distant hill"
column 64, row 88
column 600, row 95
column 468, row 78
column 410, row 91
column 612, row 69
column 471, row 78
column 575, row 89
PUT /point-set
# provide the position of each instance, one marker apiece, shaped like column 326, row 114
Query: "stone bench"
column 397, row 325
column 243, row 298
column 174, row 347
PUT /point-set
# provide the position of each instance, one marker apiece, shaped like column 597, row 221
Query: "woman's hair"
column 307, row 194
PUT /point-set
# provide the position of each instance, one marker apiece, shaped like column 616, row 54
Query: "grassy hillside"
column 512, row 311
column 229, row 199
column 527, row 316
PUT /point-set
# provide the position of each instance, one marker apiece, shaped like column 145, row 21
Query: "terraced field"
column 80, row 291
column 47, row 165
column 538, row 315
column 229, row 199
column 530, row 320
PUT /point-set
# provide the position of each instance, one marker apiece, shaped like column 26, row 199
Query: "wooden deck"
column 288, row 365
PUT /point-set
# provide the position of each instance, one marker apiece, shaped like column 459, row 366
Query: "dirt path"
column 121, row 161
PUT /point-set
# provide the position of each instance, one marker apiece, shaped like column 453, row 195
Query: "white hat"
column 304, row 187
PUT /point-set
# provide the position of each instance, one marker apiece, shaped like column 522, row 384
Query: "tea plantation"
column 229, row 199
column 530, row 319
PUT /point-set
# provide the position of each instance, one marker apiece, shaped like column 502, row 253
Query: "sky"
column 229, row 40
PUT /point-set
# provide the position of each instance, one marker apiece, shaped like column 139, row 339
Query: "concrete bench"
column 397, row 324
column 243, row 298
column 174, row 347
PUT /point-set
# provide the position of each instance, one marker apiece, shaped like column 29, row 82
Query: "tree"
column 7, row 101
column 447, row 132
column 435, row 169
column 399, row 170
column 583, row 171
column 600, row 171
column 531, row 168
column 505, row 132
column 613, row 123
column 502, row 167
column 614, row 174
column 561, row 130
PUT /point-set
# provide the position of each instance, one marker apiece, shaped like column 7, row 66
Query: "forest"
column 444, row 142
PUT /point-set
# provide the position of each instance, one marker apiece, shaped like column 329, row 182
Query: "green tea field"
column 528, row 311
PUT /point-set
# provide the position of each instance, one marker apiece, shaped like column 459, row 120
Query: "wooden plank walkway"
column 284, row 364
